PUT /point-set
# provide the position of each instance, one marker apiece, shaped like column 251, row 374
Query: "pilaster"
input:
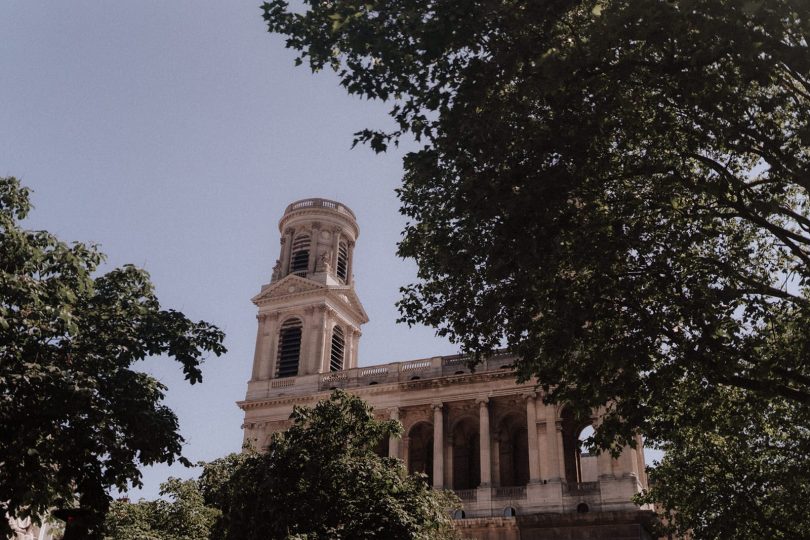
column 393, row 441
column 531, row 429
column 438, row 446
column 485, row 436
column 552, row 445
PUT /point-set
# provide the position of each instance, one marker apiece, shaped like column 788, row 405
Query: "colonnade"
column 511, row 453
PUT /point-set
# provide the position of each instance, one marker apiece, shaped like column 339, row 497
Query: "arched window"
column 580, row 466
column 513, row 452
column 420, row 450
column 289, row 348
column 299, row 257
column 382, row 447
column 588, row 467
column 342, row 261
column 338, row 350
column 466, row 456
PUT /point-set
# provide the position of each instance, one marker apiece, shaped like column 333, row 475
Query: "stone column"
column 448, row 461
column 257, row 352
column 406, row 444
column 543, row 449
column 629, row 462
column 438, row 446
column 351, row 358
column 393, row 442
column 309, row 335
column 561, row 452
column 604, row 463
column 642, row 472
column 321, row 357
column 486, row 456
column 349, row 345
column 335, row 248
column 349, row 259
column 531, row 428
column 266, row 347
column 271, row 344
column 495, row 450
column 286, row 247
column 552, row 449
column 314, row 236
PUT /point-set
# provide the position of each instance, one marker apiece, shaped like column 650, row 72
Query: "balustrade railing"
column 580, row 488
column 372, row 371
column 511, row 492
column 468, row 495
column 416, row 365
column 320, row 203
column 381, row 374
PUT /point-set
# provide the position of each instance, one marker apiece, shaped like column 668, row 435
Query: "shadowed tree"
column 77, row 419
column 616, row 190
column 323, row 479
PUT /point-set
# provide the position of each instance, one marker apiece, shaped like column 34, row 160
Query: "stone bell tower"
column 309, row 314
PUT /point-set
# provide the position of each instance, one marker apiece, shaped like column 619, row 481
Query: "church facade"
column 515, row 462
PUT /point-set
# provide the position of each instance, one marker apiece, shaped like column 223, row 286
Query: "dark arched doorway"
column 466, row 455
column 420, row 450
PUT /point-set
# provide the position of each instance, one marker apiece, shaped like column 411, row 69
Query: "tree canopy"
column 735, row 466
column 77, row 419
column 321, row 478
column 184, row 517
column 617, row 190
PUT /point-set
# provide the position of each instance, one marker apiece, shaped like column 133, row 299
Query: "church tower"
column 309, row 314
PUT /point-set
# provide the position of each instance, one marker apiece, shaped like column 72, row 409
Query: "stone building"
column 515, row 462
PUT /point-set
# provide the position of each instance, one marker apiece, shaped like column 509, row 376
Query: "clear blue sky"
column 174, row 134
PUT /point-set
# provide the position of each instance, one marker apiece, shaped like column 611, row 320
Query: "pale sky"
column 174, row 134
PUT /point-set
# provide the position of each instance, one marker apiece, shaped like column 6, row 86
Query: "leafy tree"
column 185, row 517
column 617, row 190
column 736, row 467
column 322, row 479
column 76, row 418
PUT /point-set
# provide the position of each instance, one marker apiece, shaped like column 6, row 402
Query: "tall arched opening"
column 420, row 450
column 466, row 455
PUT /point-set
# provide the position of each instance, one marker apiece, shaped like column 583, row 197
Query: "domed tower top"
column 309, row 314
column 317, row 241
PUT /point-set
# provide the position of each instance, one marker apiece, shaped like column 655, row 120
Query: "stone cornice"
column 402, row 388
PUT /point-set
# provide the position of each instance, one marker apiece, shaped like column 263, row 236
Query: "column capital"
column 530, row 396
column 393, row 413
column 437, row 405
column 482, row 401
